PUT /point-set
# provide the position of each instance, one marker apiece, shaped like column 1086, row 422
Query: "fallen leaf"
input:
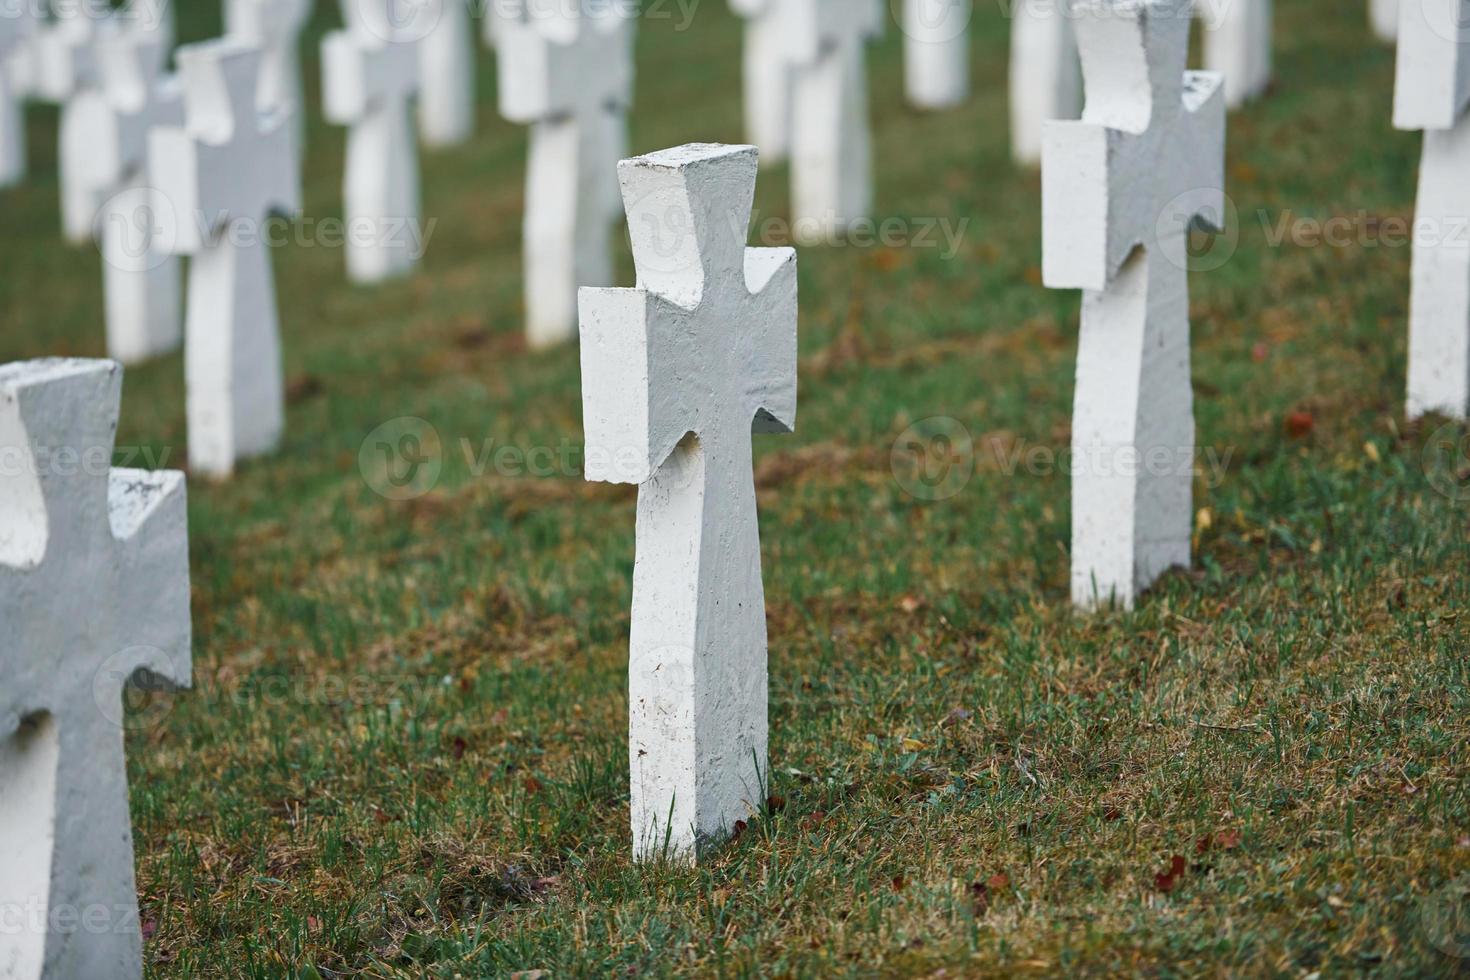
column 775, row 804
column 998, row 882
column 814, row 820
column 899, row 883
column 1300, row 424
column 459, row 747
column 302, row 387
column 1259, row 352
column 1463, row 842
column 150, row 929
column 533, row 785
column 1370, row 449
column 910, row 604
column 313, row 924
column 913, row 745
column 1169, row 880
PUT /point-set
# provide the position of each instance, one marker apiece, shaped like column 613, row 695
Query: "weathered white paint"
column 275, row 27
column 447, row 74
column 220, row 177
column 370, row 75
column 766, row 70
column 570, row 78
column 17, row 32
column 1237, row 43
column 94, row 594
column 104, row 140
column 67, row 69
column 936, row 66
column 1045, row 77
column 831, row 142
column 1120, row 190
column 676, row 375
column 1383, row 17
column 1432, row 93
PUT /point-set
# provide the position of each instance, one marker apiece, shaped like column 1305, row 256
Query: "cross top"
column 94, row 593
column 815, row 27
column 1146, row 160
column 1432, row 87
column 370, row 64
column 129, row 67
column 1135, row 62
column 229, row 162
column 707, row 341
column 16, row 28
column 545, row 59
column 266, row 19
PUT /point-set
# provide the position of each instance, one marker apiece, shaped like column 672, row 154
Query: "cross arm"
column 770, row 276
column 1089, row 218
column 636, row 351
column 148, row 515
column 357, row 74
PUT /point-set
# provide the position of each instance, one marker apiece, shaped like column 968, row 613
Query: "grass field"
column 406, row 755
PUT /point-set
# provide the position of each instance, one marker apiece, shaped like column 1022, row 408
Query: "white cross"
column 104, row 141
column 1120, row 190
column 766, row 70
column 936, row 60
column 1431, row 94
column 446, row 72
column 570, row 78
column 1045, row 78
column 94, row 594
column 676, row 375
column 1237, row 43
column 275, row 26
column 218, row 179
column 1383, row 16
column 17, row 30
column 369, row 77
column 831, row 142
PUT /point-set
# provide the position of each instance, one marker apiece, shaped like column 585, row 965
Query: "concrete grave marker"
column 831, row 142
column 104, row 139
column 936, row 64
column 221, row 176
column 1045, row 78
column 1237, row 42
column 275, row 27
column 94, row 594
column 370, row 74
column 676, row 375
column 570, row 78
column 446, row 73
column 1432, row 93
column 17, row 31
column 766, row 71
column 1120, row 191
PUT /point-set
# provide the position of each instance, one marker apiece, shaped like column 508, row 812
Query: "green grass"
column 405, row 755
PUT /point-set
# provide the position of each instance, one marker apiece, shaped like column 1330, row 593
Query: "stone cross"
column 220, row 177
column 67, row 68
column 1045, row 78
column 370, row 74
column 831, row 144
column 1121, row 190
column 1383, row 16
column 937, row 52
column 1432, row 93
column 767, row 77
column 104, row 139
column 1237, row 42
column 446, row 73
column 275, row 27
column 17, row 28
column 570, row 78
column 676, row 375
column 94, row 594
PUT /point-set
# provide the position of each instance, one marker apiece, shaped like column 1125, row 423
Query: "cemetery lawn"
column 405, row 754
